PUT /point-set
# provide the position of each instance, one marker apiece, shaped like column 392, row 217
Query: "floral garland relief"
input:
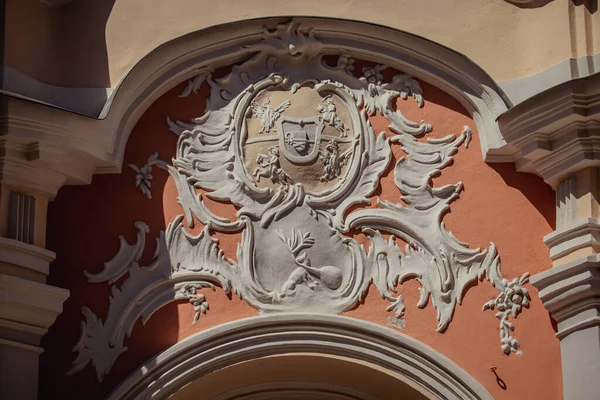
column 286, row 138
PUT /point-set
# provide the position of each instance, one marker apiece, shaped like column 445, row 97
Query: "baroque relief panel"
column 286, row 138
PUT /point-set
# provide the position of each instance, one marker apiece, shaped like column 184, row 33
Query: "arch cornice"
column 185, row 57
column 98, row 144
column 256, row 337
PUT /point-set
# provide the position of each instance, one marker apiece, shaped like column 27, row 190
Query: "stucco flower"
column 143, row 176
column 508, row 343
column 511, row 300
column 372, row 78
column 347, row 63
column 373, row 74
column 198, row 300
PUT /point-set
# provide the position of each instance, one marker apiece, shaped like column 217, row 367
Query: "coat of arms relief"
column 286, row 138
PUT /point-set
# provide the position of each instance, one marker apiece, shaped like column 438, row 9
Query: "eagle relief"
column 286, row 137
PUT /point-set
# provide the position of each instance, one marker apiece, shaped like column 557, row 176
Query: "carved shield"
column 299, row 138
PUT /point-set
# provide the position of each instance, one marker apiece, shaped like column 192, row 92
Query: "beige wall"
column 95, row 43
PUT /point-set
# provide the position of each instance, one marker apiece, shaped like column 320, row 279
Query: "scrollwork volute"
column 286, row 138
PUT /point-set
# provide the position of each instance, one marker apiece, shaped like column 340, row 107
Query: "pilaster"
column 28, row 306
column 556, row 135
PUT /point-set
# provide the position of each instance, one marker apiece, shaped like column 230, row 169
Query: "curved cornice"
column 182, row 58
column 257, row 337
column 100, row 143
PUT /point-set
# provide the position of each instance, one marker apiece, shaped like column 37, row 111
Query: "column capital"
column 30, row 303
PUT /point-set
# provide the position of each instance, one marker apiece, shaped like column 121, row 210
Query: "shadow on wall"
column 72, row 37
column 84, row 224
column 591, row 5
column 529, row 3
column 529, row 186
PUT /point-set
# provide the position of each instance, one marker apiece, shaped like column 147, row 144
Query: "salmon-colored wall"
column 497, row 205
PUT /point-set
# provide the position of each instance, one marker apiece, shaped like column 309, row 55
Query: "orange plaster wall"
column 498, row 205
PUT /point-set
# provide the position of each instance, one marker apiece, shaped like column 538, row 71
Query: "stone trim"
column 23, row 333
column 519, row 90
column 262, row 336
column 81, row 100
column 34, row 349
column 31, row 303
column 577, row 235
column 555, row 133
column 571, row 290
column 25, row 255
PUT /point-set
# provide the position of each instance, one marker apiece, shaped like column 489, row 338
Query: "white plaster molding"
column 519, row 90
column 43, row 148
column 28, row 302
column 293, row 255
column 81, row 100
column 25, row 255
column 577, row 235
column 27, row 347
column 244, row 340
column 21, row 333
column 571, row 292
column 34, row 331
column 40, row 166
column 557, row 132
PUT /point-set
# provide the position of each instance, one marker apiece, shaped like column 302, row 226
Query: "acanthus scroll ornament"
column 318, row 163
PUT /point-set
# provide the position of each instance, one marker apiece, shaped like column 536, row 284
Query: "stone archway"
column 302, row 339
column 302, row 376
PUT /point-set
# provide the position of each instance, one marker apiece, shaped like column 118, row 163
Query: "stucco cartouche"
column 496, row 205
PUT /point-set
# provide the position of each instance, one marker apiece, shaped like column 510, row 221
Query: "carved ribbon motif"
column 293, row 254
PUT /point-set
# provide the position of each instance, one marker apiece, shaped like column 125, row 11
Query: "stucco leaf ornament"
column 296, row 251
column 143, row 290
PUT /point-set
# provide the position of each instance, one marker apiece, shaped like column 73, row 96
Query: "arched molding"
column 76, row 146
column 252, row 338
column 224, row 45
